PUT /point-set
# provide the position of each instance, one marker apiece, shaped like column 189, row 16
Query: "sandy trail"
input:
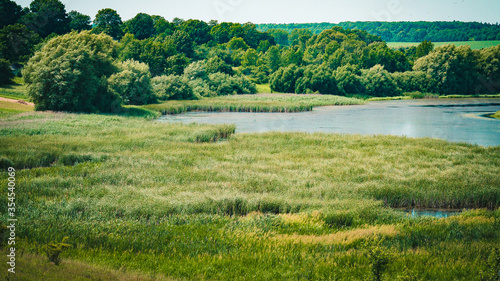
column 17, row 101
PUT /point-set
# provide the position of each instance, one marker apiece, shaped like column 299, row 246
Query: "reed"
column 253, row 103
column 200, row 202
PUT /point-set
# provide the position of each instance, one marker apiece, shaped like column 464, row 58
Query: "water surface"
column 456, row 120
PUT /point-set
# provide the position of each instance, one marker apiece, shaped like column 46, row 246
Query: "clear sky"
column 297, row 11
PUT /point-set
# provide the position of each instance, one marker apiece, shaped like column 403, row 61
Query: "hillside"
column 407, row 31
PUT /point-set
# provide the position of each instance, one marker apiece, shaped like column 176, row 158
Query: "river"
column 456, row 120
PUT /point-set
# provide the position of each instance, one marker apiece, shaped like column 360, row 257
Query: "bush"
column 284, row 79
column 53, row 250
column 224, row 84
column 378, row 82
column 133, row 83
column 201, row 88
column 317, row 79
column 70, row 74
column 349, row 80
column 6, row 73
column 173, row 87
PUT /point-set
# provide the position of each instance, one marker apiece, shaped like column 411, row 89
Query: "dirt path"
column 17, row 101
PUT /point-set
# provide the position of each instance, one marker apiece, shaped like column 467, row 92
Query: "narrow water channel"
column 456, row 120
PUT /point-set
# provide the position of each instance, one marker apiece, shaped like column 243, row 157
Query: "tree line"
column 74, row 64
column 439, row 31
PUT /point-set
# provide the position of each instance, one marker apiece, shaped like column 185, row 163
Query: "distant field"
column 474, row 44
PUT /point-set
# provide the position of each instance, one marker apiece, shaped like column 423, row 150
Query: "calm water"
column 457, row 120
column 431, row 213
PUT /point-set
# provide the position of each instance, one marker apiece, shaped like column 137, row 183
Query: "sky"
column 296, row 11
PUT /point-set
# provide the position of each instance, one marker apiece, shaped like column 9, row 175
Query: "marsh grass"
column 174, row 200
column 253, row 103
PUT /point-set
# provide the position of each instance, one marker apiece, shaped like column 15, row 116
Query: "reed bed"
column 197, row 202
column 254, row 103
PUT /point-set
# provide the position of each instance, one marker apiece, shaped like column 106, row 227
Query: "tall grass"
column 173, row 200
column 253, row 103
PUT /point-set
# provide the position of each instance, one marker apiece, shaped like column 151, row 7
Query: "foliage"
column 46, row 17
column 173, row 87
column 453, row 68
column 10, row 12
column 378, row 82
column 141, row 26
column 6, row 73
column 54, row 250
column 70, row 74
column 284, row 79
column 349, row 80
column 18, row 43
column 79, row 21
column 436, row 31
column 109, row 22
column 132, row 83
column 224, row 84
column 317, row 79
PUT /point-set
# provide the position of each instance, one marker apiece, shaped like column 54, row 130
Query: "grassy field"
column 199, row 202
column 254, row 103
column 474, row 44
column 15, row 91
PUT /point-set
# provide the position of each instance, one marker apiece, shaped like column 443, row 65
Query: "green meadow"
column 144, row 200
column 475, row 45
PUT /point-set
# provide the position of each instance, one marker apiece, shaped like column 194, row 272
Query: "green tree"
column 18, row 43
column 317, row 79
column 109, row 22
column 349, row 80
column 424, row 48
column 378, row 82
column 175, row 64
column 6, row 73
column 142, row 26
column 250, row 58
column 285, row 78
column 237, row 43
column 455, row 69
column 46, row 17
column 76, row 79
column 173, row 87
column 132, row 83
column 273, row 58
column 489, row 70
column 280, row 36
column 10, row 12
column 78, row 21
column 198, row 30
column 215, row 64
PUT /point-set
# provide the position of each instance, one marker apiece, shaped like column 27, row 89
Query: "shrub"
column 173, row 87
column 70, row 74
column 132, row 83
column 224, row 84
column 284, row 79
column 378, row 82
column 349, row 80
column 317, row 79
column 53, row 250
column 201, row 88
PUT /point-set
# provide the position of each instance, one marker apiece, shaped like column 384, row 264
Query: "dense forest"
column 439, row 31
column 73, row 64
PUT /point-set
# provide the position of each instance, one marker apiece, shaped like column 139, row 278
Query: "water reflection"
column 457, row 120
column 431, row 213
